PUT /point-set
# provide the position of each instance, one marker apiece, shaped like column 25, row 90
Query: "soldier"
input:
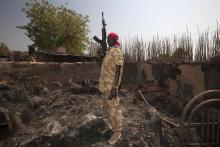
column 109, row 82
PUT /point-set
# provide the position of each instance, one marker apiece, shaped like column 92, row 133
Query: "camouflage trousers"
column 113, row 111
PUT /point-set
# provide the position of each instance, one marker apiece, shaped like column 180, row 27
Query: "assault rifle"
column 103, row 41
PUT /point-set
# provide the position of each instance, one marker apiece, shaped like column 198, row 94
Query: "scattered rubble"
column 74, row 117
column 35, row 112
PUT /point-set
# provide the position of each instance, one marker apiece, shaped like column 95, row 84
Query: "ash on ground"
column 73, row 116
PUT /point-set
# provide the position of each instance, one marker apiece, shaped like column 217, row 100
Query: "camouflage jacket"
column 114, row 56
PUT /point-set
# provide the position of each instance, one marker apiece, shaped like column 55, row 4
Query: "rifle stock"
column 97, row 39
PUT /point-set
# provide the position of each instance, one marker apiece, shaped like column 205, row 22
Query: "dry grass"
column 177, row 47
column 208, row 45
column 136, row 49
column 183, row 49
column 202, row 49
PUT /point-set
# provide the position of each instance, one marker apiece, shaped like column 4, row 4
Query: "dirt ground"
column 73, row 116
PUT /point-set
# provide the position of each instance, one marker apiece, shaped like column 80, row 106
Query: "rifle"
column 103, row 41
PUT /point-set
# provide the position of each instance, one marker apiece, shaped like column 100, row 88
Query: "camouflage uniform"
column 113, row 57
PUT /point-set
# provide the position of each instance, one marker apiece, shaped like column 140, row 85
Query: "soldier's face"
column 110, row 41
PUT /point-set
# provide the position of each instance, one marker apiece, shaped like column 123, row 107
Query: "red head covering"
column 114, row 36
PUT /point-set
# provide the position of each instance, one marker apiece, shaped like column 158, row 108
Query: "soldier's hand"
column 114, row 93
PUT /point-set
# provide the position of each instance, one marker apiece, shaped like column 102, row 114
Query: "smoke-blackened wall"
column 185, row 79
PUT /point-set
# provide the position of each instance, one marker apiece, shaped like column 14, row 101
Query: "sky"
column 128, row 18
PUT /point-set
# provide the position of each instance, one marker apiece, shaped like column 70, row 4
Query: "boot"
column 115, row 137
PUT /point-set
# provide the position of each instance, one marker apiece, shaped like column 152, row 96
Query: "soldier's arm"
column 119, row 61
column 117, row 80
column 118, row 74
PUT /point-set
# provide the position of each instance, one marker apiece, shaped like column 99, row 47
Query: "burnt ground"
column 73, row 116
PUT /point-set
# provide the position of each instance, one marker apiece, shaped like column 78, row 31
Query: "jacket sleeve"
column 118, row 56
